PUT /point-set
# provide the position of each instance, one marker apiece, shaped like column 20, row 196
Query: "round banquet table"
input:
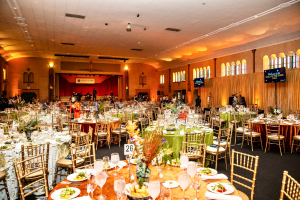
column 176, row 193
column 288, row 130
column 226, row 116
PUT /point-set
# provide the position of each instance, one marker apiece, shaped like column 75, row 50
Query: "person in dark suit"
column 94, row 94
column 198, row 102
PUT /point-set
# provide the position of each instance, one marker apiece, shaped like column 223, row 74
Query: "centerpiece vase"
column 143, row 173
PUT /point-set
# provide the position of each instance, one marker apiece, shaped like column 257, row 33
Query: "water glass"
column 91, row 186
column 119, row 186
column 98, row 165
column 100, row 180
column 184, row 159
column 115, row 158
column 154, row 188
column 191, row 169
column 183, row 180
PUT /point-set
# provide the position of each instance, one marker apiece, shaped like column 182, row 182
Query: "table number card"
column 15, row 123
column 128, row 149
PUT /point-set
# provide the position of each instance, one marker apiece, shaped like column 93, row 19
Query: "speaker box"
column 158, row 92
column 184, row 92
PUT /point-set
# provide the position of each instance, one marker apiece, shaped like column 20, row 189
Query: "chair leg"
column 251, row 143
column 292, row 146
column 266, row 145
column 279, row 147
column 6, row 189
column 216, row 163
column 225, row 160
column 242, row 141
column 284, row 145
column 261, row 143
column 55, row 176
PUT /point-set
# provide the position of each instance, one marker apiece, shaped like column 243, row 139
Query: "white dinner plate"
column 133, row 161
column 72, row 176
column 111, row 166
column 55, row 195
column 214, row 172
column 228, row 187
column 171, row 184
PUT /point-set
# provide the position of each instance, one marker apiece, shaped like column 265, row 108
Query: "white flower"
column 278, row 111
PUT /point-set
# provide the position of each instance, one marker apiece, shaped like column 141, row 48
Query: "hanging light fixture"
column 128, row 28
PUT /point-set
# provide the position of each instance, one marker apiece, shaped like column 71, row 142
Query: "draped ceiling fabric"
column 252, row 86
column 105, row 87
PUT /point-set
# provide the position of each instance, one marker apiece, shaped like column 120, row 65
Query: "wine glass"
column 191, row 170
column 197, row 185
column 115, row 158
column 154, row 188
column 91, row 186
column 119, row 186
column 100, row 180
column 184, row 159
column 98, row 165
column 183, row 180
column 88, row 171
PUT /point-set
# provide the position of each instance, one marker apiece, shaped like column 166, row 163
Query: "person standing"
column 75, row 108
column 94, row 94
column 198, row 102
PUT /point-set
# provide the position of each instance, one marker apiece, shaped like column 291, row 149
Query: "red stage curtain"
column 108, row 85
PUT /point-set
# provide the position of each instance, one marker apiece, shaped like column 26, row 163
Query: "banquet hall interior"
column 144, row 99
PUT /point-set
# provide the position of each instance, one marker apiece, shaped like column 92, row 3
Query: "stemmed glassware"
column 183, row 180
column 91, row 186
column 115, row 159
column 98, row 165
column 191, row 170
column 197, row 185
column 184, row 160
column 105, row 163
column 154, row 188
column 100, row 180
column 119, row 186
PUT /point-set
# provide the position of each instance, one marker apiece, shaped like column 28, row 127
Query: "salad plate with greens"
column 207, row 171
column 175, row 162
column 65, row 193
column 81, row 176
column 220, row 188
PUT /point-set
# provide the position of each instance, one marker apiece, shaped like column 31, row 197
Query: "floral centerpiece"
column 274, row 111
column 145, row 150
column 27, row 123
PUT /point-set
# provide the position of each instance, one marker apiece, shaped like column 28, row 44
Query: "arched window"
column 237, row 69
column 204, row 72
column 31, row 78
column 223, row 69
column 227, row 69
column 244, row 66
column 162, row 79
column 25, row 77
column 276, row 62
column 178, row 77
column 208, row 72
column 288, row 62
column 297, row 61
column 293, row 61
column 283, row 61
column 194, row 74
column 4, row 74
column 201, row 73
column 198, row 73
column 174, row 78
column 232, row 69
column 183, row 75
column 266, row 62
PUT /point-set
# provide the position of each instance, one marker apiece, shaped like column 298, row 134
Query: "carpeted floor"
column 270, row 168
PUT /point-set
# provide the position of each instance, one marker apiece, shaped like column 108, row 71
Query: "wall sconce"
column 126, row 87
column 51, row 64
column 126, row 67
column 51, row 88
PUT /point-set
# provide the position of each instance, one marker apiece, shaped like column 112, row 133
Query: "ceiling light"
column 138, row 15
column 106, row 24
column 139, row 42
column 128, row 28
column 15, row 8
column 203, row 3
column 255, row 16
column 25, row 31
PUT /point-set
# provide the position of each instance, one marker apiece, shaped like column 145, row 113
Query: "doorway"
column 195, row 95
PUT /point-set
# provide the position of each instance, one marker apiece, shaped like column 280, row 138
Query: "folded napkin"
column 210, row 195
column 18, row 146
column 50, row 141
column 83, row 198
column 215, row 177
column 289, row 123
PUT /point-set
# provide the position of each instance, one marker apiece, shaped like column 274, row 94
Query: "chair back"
column 273, row 130
column 247, row 162
column 195, row 137
column 34, row 150
column 74, row 128
column 195, row 150
column 83, row 154
column 81, row 140
column 290, row 187
column 25, row 169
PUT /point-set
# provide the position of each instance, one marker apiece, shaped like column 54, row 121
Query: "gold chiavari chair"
column 82, row 140
column 35, row 150
column 3, row 178
column 195, row 137
column 296, row 137
column 83, row 154
column 219, row 150
column 251, row 135
column 247, row 162
column 289, row 188
column 121, row 132
column 273, row 134
column 234, row 119
column 25, row 169
column 228, row 133
column 102, row 133
column 245, row 123
column 195, row 152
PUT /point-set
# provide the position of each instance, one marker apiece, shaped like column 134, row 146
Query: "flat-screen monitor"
column 199, row 82
column 275, row 75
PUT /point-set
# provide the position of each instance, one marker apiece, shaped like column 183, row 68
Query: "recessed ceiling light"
column 203, row 3
column 139, row 42
column 255, row 16
column 32, row 45
column 15, row 8
column 25, row 31
column 206, row 35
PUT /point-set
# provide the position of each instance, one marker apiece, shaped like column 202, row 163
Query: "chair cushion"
column 235, row 121
column 275, row 137
column 241, row 129
column 191, row 156
column 101, row 134
column 296, row 137
column 215, row 137
column 117, row 131
column 254, row 134
column 67, row 162
column 35, row 175
column 221, row 143
column 243, row 195
column 2, row 175
column 214, row 150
